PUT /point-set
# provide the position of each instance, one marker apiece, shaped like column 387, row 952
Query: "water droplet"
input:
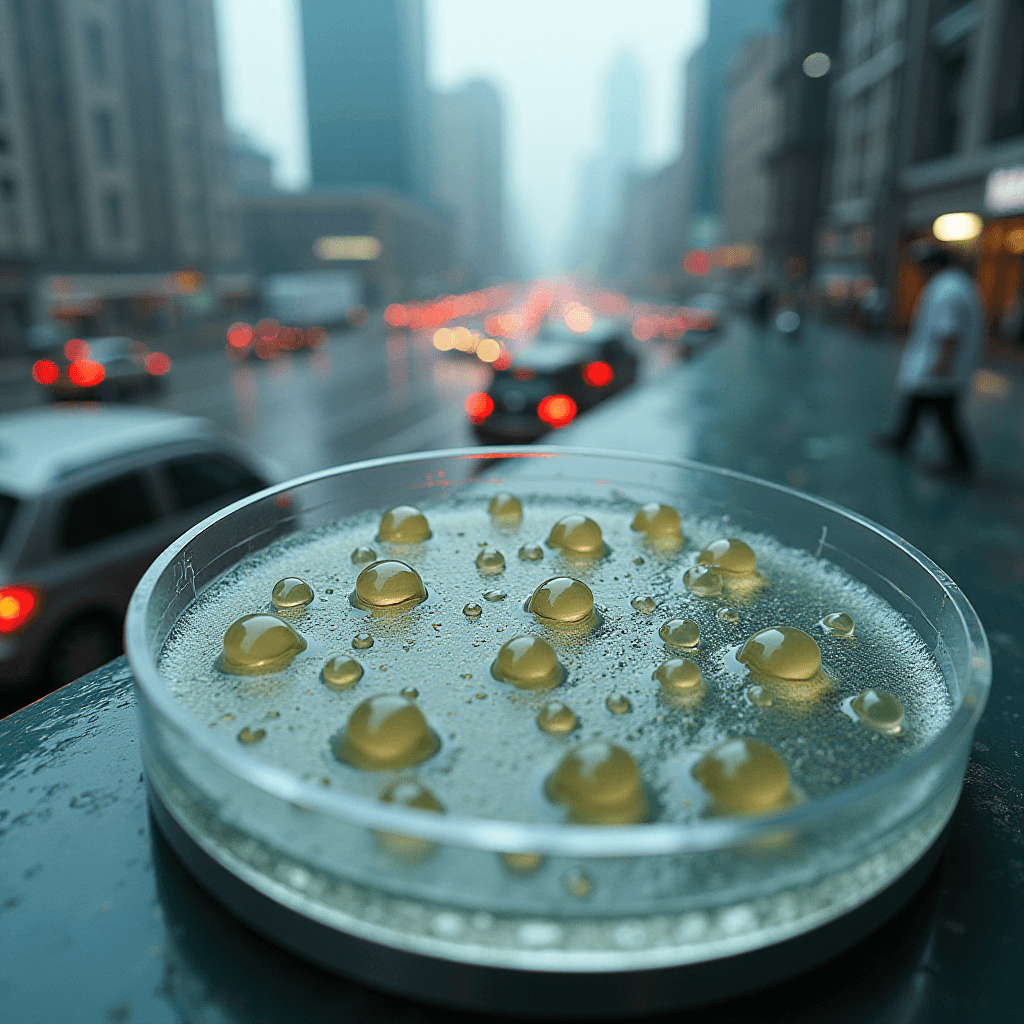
column 556, row 719
column 658, row 523
column 618, row 704
column 703, row 580
column 362, row 641
column 291, row 596
column 404, row 525
column 683, row 634
column 578, row 535
column 838, row 623
column 472, row 610
column 759, row 697
column 578, row 883
column 495, row 595
column 363, row 554
column 638, row 560
column 522, row 863
column 744, row 776
column 562, row 599
column 388, row 585
column 527, row 662
column 678, row 674
column 227, row 718
column 505, row 506
column 782, row 652
column 599, row 784
column 490, row 561
column 259, row 643
column 409, row 794
column 248, row 735
column 645, row 603
column 531, row 552
column 341, row 672
column 410, row 691
column 273, row 714
column 729, row 555
column 386, row 731
column 729, row 615
column 879, row 710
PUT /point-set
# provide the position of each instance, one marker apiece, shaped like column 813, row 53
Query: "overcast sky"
column 548, row 59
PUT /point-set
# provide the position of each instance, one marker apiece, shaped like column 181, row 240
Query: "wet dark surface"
column 98, row 922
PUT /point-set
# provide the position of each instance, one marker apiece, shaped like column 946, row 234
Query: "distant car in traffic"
column 89, row 495
column 114, row 368
column 559, row 376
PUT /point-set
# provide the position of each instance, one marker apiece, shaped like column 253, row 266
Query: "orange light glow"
column 45, row 371
column 488, row 350
column 444, row 341
column 240, row 335
column 1014, row 240
column 557, row 410
column 696, row 263
column 16, row 607
column 598, row 375
column 158, row 363
column 76, row 349
column 86, row 373
column 396, row 315
column 266, row 348
column 478, row 405
column 267, row 329
column 578, row 318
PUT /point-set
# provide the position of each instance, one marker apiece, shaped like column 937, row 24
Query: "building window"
column 114, row 214
column 96, row 45
column 1008, row 109
column 103, row 122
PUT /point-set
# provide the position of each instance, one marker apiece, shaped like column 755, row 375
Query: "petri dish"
column 552, row 918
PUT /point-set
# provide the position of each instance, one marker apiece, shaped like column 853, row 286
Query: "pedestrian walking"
column 946, row 342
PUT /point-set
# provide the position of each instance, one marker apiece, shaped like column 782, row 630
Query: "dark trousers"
column 944, row 408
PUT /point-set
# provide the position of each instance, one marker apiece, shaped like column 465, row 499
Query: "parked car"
column 559, row 376
column 89, row 495
column 113, row 368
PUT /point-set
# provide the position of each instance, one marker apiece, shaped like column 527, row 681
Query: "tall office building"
column 113, row 154
column 366, row 94
column 469, row 177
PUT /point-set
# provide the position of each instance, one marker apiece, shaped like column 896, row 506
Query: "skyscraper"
column 366, row 94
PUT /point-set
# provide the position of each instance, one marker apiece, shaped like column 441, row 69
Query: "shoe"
column 885, row 443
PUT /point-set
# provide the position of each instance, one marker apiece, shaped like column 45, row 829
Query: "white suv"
column 89, row 495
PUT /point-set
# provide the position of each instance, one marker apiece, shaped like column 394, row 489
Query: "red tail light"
column 240, row 335
column 557, row 410
column 479, row 405
column 86, row 373
column 45, row 371
column 16, row 607
column 76, row 349
column 598, row 375
column 157, row 363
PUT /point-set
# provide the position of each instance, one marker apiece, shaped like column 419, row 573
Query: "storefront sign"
column 1004, row 191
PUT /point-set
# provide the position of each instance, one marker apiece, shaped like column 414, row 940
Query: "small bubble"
column 729, row 555
column 388, row 585
column 248, row 735
column 556, row 719
column 360, row 556
column 729, row 615
column 528, row 663
column 703, row 580
column 683, row 634
column 522, row 863
column 879, row 710
column 291, row 596
column 410, row 691
column 505, row 506
column 759, row 696
column 578, row 535
column 578, row 883
column 361, row 641
column 490, row 562
column 644, row 603
column 618, row 704
column 341, row 672
column 838, row 623
column 404, row 525
column 472, row 610
column 495, row 595
column 531, row 552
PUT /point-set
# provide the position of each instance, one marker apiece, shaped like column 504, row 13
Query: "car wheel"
column 80, row 647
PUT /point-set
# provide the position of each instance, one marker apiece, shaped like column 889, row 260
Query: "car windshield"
column 7, row 507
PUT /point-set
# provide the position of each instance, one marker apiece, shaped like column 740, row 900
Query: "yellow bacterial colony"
column 560, row 690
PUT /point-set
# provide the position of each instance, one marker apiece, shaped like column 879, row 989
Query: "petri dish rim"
column 648, row 840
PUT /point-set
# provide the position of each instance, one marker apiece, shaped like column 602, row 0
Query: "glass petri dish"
column 698, row 911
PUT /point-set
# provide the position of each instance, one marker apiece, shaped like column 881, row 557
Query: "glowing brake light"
column 157, row 363
column 76, row 349
column 240, row 335
column 16, row 607
column 557, row 410
column 45, row 371
column 598, row 375
column 86, row 373
column 479, row 405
